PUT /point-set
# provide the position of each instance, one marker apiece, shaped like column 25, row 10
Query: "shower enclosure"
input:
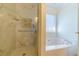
column 19, row 29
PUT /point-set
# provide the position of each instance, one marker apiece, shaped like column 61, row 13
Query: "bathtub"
column 55, row 42
column 54, row 47
column 57, row 50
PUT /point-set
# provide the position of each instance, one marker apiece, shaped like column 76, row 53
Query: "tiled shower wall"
column 14, row 38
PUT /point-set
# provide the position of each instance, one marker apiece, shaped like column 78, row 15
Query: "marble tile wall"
column 14, row 20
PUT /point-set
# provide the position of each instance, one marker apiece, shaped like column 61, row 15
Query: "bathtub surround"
column 56, row 52
column 58, row 46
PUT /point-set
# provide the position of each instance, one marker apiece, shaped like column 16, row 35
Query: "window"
column 50, row 23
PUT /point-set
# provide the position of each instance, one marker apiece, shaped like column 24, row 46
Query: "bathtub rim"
column 54, row 47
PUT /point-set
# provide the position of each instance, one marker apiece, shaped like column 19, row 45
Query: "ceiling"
column 58, row 6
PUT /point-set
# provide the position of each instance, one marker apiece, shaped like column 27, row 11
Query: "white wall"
column 67, row 25
column 50, row 10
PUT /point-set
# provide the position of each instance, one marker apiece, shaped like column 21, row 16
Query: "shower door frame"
column 41, row 29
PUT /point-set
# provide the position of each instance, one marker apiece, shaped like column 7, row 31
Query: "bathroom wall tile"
column 13, row 17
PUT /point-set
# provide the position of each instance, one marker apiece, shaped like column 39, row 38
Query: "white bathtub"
column 54, row 47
